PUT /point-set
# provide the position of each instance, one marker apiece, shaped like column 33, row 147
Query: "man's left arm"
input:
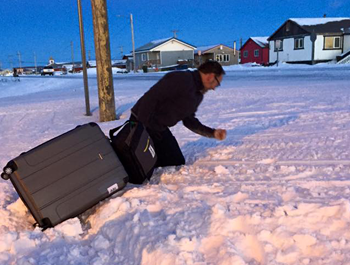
column 193, row 124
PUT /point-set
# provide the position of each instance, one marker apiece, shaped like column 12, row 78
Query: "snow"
column 261, row 41
column 276, row 191
column 205, row 48
column 317, row 21
column 160, row 40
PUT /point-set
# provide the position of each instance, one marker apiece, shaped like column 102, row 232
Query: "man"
column 175, row 98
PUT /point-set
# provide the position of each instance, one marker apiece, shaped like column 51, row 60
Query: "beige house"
column 219, row 52
column 164, row 52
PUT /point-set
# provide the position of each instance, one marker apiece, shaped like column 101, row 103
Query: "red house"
column 255, row 50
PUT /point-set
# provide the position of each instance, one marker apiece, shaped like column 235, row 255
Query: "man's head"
column 211, row 74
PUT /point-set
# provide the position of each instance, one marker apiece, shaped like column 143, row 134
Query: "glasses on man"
column 217, row 80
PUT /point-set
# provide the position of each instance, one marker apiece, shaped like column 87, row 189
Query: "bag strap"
column 112, row 131
column 132, row 131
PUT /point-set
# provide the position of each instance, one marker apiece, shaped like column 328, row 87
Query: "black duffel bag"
column 135, row 150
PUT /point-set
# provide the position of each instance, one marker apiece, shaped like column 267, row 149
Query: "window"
column 144, row 57
column 222, row 57
column 278, row 45
column 298, row 43
column 256, row 53
column 332, row 43
column 337, row 42
column 245, row 54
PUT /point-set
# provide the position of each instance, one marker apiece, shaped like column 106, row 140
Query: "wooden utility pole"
column 103, row 61
column 133, row 41
column 10, row 57
column 19, row 59
column 121, row 52
column 83, row 57
column 72, row 52
column 36, row 68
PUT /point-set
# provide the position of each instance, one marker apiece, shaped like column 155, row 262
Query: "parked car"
column 76, row 69
column 47, row 70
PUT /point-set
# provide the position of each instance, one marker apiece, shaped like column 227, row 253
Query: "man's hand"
column 220, row 134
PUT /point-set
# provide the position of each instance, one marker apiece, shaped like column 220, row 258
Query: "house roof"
column 320, row 25
column 323, row 25
column 155, row 43
column 317, row 21
column 261, row 41
column 204, row 49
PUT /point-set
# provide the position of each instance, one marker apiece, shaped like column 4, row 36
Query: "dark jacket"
column 174, row 98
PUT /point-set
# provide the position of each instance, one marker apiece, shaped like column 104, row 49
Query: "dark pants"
column 166, row 147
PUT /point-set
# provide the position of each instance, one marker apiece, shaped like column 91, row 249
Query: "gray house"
column 219, row 52
column 310, row 40
column 164, row 52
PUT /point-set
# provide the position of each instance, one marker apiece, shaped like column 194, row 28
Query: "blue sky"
column 47, row 28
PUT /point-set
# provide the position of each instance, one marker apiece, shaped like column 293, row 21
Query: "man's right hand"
column 220, row 134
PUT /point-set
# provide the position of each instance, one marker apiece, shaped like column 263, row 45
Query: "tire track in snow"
column 281, row 163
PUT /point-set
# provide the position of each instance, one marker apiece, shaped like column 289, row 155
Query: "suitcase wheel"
column 8, row 170
column 5, row 176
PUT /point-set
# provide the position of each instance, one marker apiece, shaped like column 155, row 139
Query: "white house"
column 164, row 52
column 310, row 40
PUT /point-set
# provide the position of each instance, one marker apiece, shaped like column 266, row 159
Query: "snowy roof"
column 204, row 49
column 155, row 43
column 327, row 25
column 261, row 41
column 323, row 25
column 118, row 61
column 317, row 21
column 152, row 44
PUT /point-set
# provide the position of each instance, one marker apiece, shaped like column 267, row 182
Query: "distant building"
column 255, row 50
column 219, row 52
column 164, row 52
column 63, row 67
column 119, row 63
column 310, row 40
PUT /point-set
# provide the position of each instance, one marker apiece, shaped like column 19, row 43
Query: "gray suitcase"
column 67, row 175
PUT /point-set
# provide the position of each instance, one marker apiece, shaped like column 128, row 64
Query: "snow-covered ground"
column 276, row 191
